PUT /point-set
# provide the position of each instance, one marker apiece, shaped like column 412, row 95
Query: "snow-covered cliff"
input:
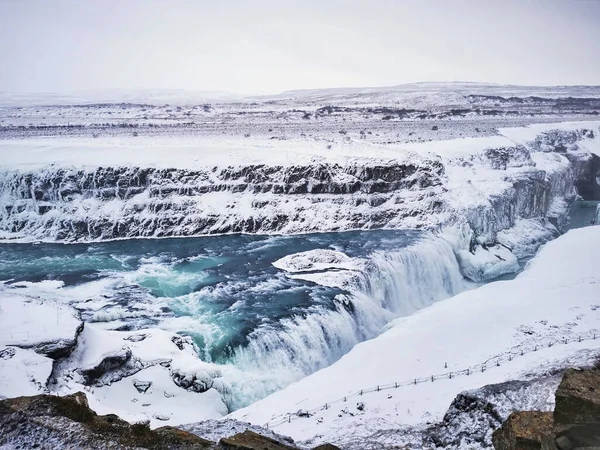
column 81, row 191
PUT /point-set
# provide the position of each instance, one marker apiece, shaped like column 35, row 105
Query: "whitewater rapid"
column 375, row 290
column 257, row 319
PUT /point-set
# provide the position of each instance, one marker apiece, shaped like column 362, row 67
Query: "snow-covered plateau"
column 336, row 266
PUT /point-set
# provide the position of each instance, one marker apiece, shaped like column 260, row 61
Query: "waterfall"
column 389, row 284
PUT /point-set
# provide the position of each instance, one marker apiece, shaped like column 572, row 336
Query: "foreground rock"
column 46, row 421
column 251, row 440
column 574, row 424
column 474, row 415
column 50, row 422
column 526, row 430
column 577, row 412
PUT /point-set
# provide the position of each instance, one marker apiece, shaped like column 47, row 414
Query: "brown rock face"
column 575, row 423
column 578, row 399
column 577, row 411
column 249, row 440
column 526, row 430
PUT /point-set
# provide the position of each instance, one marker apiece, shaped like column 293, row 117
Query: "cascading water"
column 262, row 327
column 381, row 287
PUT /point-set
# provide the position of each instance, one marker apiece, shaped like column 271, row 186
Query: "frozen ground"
column 405, row 113
column 553, row 300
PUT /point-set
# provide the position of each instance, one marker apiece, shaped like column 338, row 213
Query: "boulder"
column 217, row 429
column 108, row 364
column 578, row 399
column 577, row 411
column 249, row 440
column 526, row 430
column 142, row 386
column 574, row 424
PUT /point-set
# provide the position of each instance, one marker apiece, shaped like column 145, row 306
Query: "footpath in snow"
column 544, row 313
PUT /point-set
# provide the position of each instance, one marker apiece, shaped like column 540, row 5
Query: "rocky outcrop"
column 249, row 440
column 474, row 415
column 50, row 422
column 577, row 412
column 578, row 398
column 111, row 368
column 586, row 170
column 24, row 325
column 527, row 430
column 574, row 424
column 59, row 348
column 68, row 204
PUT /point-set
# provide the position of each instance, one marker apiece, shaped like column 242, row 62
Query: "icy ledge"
column 148, row 374
column 554, row 299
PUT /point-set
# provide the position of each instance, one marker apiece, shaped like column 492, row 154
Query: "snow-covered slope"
column 501, row 331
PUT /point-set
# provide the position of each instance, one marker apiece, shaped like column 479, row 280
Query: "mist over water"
column 263, row 326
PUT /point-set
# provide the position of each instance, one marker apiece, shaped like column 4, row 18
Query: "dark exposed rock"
column 578, row 399
column 216, row 429
column 249, row 440
column 169, row 195
column 59, row 348
column 587, row 173
column 474, row 415
column 183, row 342
column 7, row 353
column 482, row 414
column 115, row 362
column 142, row 386
column 527, row 430
column 390, row 193
column 574, row 424
column 50, row 422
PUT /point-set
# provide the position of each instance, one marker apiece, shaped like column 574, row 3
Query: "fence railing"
column 491, row 362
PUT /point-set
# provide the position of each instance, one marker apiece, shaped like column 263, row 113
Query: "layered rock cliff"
column 490, row 187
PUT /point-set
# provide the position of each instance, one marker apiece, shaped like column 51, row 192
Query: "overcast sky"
column 267, row 46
